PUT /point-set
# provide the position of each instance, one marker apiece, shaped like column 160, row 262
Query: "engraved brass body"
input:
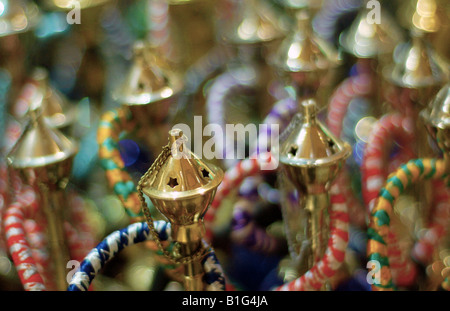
column 311, row 158
column 181, row 186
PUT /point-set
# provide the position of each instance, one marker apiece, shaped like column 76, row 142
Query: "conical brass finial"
column 305, row 53
column 251, row 22
column 437, row 117
column 17, row 16
column 310, row 154
column 56, row 108
column 366, row 39
column 40, row 145
column 424, row 15
column 417, row 65
column 150, row 79
column 181, row 186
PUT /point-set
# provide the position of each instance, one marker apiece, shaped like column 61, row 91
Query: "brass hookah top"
column 17, row 16
column 252, row 22
column 416, row 64
column 181, row 185
column 305, row 52
column 437, row 118
column 150, row 79
column 424, row 15
column 310, row 153
column 365, row 40
column 56, row 108
column 40, row 145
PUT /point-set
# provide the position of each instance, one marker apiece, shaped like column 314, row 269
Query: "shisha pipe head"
column 437, row 117
column 181, row 186
column 17, row 16
column 252, row 22
column 151, row 79
column 369, row 40
column 56, row 109
column 416, row 65
column 42, row 153
column 424, row 15
column 304, row 56
column 310, row 154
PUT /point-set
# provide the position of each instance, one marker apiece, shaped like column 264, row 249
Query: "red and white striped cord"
column 334, row 256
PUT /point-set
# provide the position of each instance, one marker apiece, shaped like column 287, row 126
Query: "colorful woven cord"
column 133, row 234
column 334, row 256
column 379, row 229
column 111, row 125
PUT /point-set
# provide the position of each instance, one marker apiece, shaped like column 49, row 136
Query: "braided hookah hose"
column 22, row 231
column 136, row 233
column 112, row 124
column 407, row 175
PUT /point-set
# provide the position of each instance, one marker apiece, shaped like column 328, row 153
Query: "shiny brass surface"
column 305, row 56
column 425, row 15
column 149, row 90
column 365, row 40
column 44, row 156
column 17, row 16
column 251, row 22
column 417, row 65
column 69, row 4
column 181, row 186
column 311, row 158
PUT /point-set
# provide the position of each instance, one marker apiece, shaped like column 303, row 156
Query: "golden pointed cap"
column 311, row 155
column 17, row 16
column 303, row 51
column 56, row 108
column 150, row 79
column 40, row 145
column 365, row 40
column 179, row 183
column 416, row 65
column 252, row 22
column 69, row 4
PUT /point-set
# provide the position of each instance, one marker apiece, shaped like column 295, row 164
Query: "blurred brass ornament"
column 17, row 16
column 71, row 4
column 437, row 117
column 417, row 65
column 252, row 22
column 181, row 186
column 369, row 40
column 56, row 108
column 305, row 56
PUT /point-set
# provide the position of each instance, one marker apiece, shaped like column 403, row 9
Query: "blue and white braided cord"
column 133, row 234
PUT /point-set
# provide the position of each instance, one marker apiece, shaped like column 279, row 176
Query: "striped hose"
column 378, row 232
column 135, row 233
column 111, row 125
